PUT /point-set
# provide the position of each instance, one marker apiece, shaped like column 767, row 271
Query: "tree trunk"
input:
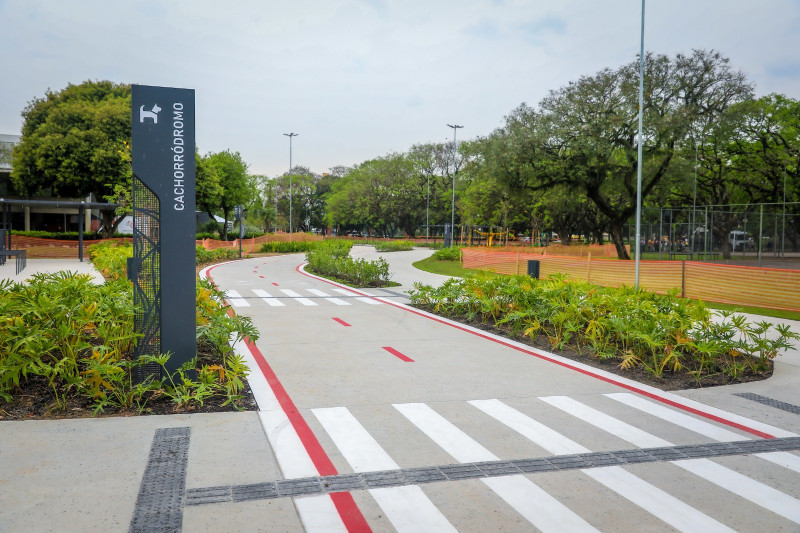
column 110, row 223
column 615, row 231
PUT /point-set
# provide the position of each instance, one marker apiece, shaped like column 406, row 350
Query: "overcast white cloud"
column 358, row 79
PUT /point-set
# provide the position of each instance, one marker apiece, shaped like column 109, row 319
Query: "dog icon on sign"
column 152, row 114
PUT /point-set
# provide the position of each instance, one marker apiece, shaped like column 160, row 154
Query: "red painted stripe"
column 351, row 515
column 262, row 277
column 342, row 322
column 564, row 364
column 398, row 354
column 274, row 283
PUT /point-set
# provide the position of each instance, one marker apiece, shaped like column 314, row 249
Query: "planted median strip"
column 671, row 341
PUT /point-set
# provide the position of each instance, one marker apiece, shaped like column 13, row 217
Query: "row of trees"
column 568, row 164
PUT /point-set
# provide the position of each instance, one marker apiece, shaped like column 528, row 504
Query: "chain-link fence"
column 746, row 231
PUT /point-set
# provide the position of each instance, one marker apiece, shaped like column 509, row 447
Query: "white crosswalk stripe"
column 749, row 489
column 328, row 298
column 784, row 459
column 364, row 454
column 357, row 296
column 537, row 506
column 650, row 498
column 297, row 297
column 268, row 298
column 289, row 296
column 236, row 299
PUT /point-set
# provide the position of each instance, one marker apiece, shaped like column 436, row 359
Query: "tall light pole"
column 290, row 135
column 694, row 203
column 453, row 205
column 427, row 211
column 275, row 192
column 639, row 159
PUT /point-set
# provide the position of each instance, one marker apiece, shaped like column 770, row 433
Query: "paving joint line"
column 462, row 471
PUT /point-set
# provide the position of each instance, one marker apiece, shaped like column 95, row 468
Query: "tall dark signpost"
column 163, row 265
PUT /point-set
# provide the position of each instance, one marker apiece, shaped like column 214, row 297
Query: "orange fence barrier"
column 39, row 248
column 54, row 248
column 773, row 288
column 254, row 244
column 575, row 250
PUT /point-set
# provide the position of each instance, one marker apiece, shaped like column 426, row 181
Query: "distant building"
column 27, row 218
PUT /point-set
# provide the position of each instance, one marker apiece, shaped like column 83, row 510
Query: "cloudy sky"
column 358, row 79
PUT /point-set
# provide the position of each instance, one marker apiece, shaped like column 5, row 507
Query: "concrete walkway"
column 328, row 362
column 48, row 266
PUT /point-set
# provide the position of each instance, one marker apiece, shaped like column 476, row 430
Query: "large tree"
column 231, row 171
column 76, row 142
column 384, row 194
column 584, row 136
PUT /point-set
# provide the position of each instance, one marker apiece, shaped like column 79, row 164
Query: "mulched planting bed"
column 669, row 381
column 34, row 400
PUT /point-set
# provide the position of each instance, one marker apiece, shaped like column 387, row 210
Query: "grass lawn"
column 453, row 268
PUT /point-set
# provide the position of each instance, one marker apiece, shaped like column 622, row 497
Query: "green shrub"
column 286, row 247
column 206, row 235
column 447, row 254
column 337, row 247
column 204, row 256
column 639, row 329
column 78, row 338
column 332, row 260
column 394, row 246
column 110, row 259
column 212, row 227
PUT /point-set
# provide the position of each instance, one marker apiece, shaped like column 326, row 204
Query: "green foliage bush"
column 111, row 259
column 337, row 247
column 211, row 256
column 331, row 259
column 286, row 247
column 78, row 338
column 393, row 246
column 639, row 329
column 447, row 254
column 212, row 227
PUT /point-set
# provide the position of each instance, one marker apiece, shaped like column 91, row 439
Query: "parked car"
column 740, row 240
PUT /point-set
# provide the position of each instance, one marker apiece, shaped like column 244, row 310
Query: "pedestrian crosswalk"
column 278, row 297
column 763, row 488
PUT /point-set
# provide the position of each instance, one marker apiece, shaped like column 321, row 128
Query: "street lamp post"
column 290, row 135
column 275, row 193
column 453, row 204
column 428, row 211
column 694, row 203
column 639, row 158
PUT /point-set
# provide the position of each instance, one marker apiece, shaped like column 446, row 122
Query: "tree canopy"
column 76, row 142
column 583, row 137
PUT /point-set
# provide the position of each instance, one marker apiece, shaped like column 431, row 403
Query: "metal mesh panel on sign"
column 146, row 284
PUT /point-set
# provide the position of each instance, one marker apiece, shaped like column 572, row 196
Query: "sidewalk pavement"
column 49, row 266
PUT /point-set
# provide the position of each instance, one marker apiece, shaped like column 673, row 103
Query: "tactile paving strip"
column 159, row 506
column 416, row 476
column 771, row 402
